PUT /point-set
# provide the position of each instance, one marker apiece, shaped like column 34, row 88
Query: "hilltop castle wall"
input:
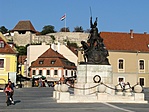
column 62, row 37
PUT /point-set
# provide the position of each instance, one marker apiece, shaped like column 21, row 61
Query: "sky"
column 113, row 15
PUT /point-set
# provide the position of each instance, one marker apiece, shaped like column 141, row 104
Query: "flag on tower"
column 63, row 17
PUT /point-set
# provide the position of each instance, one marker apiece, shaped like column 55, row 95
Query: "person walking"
column 12, row 87
column 62, row 80
column 40, row 82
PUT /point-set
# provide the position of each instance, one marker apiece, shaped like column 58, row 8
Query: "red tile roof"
column 7, row 49
column 52, row 56
column 124, row 41
column 50, row 53
column 73, row 49
column 24, row 26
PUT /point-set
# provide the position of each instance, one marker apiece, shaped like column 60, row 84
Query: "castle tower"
column 23, row 31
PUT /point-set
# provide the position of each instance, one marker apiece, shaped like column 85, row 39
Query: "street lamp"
column 137, row 53
column 20, row 74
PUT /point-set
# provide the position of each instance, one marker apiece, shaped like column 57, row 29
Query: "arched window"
column 141, row 64
column 142, row 81
column 121, row 64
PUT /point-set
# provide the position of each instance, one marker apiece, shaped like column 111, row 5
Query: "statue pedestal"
column 85, row 76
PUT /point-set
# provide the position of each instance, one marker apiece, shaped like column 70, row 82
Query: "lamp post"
column 20, row 74
column 137, row 53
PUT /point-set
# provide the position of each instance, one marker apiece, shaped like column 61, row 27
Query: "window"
column 141, row 80
column 1, row 63
column 34, row 72
column 48, row 72
column 141, row 64
column 55, row 72
column 121, row 64
column 1, row 44
column 41, row 62
column 121, row 79
column 66, row 72
column 71, row 73
column 53, row 61
column 40, row 72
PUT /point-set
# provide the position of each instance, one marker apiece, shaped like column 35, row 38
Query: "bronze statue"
column 94, row 50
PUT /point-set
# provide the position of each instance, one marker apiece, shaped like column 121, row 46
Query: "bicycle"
column 9, row 99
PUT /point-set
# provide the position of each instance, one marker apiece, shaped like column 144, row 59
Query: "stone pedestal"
column 139, row 96
column 64, row 96
column 87, row 91
column 57, row 95
column 102, row 96
column 54, row 94
column 85, row 75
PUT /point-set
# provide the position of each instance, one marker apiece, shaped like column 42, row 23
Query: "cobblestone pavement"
column 40, row 100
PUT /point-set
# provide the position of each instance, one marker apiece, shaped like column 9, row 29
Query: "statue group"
column 94, row 50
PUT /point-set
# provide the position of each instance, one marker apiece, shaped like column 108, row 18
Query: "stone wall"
column 62, row 37
column 75, row 37
column 22, row 39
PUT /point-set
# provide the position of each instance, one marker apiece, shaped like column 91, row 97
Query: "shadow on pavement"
column 17, row 101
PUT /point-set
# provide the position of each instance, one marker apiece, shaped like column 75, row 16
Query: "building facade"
column 34, row 51
column 52, row 65
column 129, row 56
column 8, row 61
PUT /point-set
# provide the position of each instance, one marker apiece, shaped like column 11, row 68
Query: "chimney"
column 131, row 33
column 145, row 32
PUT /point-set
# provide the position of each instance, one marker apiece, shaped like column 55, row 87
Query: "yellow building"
column 8, row 60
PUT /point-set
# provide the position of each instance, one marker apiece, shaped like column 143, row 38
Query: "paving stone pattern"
column 40, row 100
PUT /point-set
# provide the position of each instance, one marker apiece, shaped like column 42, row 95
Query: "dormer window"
column 53, row 61
column 2, row 44
column 41, row 62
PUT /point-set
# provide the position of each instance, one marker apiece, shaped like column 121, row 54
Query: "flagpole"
column 65, row 22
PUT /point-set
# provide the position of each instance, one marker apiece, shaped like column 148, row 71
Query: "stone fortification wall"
column 62, row 37
column 22, row 39
column 41, row 38
column 75, row 37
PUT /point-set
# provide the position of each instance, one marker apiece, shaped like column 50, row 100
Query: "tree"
column 87, row 31
column 53, row 38
column 78, row 29
column 22, row 50
column 65, row 29
column 47, row 29
column 3, row 30
column 72, row 44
